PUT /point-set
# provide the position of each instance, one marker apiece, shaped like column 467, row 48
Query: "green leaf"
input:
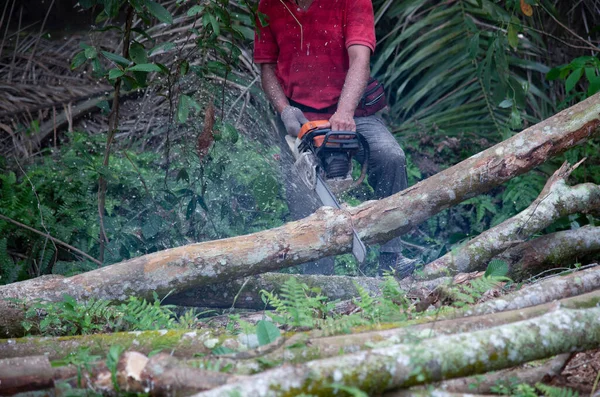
column 183, row 108
column 230, row 132
column 222, row 350
column 266, row 332
column 78, row 60
column 104, row 106
column 115, row 73
column 195, row 10
column 505, row 104
column 137, row 52
column 182, row 175
column 202, row 203
column 145, row 67
column 496, row 268
column 90, row 53
column 573, row 79
column 594, row 86
column 118, row 59
column 151, row 227
column 513, row 33
column 159, row 11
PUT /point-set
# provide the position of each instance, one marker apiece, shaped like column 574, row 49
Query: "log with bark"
column 244, row 293
column 556, row 200
column 553, row 250
column 302, row 347
column 445, row 357
column 327, row 232
column 530, row 375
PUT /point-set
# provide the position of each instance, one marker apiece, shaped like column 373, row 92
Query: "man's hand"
column 293, row 118
column 341, row 121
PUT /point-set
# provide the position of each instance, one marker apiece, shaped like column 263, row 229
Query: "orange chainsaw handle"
column 311, row 126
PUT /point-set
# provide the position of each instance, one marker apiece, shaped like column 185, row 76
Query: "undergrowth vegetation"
column 236, row 192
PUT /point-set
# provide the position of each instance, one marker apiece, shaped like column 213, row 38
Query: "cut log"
column 327, row 232
column 445, row 357
column 556, row 200
column 22, row 374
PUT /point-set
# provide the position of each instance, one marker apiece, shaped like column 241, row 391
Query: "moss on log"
column 446, row 357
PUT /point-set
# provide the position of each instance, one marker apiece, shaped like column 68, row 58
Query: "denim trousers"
column 387, row 164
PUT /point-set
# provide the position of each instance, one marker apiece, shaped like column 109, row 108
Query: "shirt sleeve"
column 360, row 23
column 266, row 49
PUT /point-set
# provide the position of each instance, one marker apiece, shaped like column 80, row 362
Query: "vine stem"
column 113, row 124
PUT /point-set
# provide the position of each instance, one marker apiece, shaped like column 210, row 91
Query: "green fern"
column 552, row 391
column 297, row 305
column 472, row 291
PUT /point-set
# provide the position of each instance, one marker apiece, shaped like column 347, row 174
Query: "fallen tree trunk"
column 305, row 346
column 446, row 357
column 552, row 250
column 556, row 200
column 559, row 287
column 327, row 232
column 246, row 291
column 529, row 375
column 182, row 343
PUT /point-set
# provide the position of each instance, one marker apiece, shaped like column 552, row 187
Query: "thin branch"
column 57, row 241
column 7, row 25
column 569, row 29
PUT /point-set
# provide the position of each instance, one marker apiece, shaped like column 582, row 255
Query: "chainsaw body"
column 319, row 151
column 324, row 163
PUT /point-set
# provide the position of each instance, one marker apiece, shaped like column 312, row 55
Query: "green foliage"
column 551, row 391
column 586, row 67
column 470, row 292
column 384, row 308
column 69, row 317
column 237, row 192
column 266, row 332
column 460, row 67
column 512, row 387
column 297, row 305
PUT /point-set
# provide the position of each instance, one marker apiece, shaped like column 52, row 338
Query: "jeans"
column 387, row 164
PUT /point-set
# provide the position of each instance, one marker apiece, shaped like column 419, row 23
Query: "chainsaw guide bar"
column 312, row 172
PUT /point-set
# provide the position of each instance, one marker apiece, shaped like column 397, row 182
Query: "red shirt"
column 310, row 47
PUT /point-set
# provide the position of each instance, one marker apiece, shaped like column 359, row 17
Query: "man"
column 315, row 64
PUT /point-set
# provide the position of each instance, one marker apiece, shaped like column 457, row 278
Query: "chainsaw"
column 324, row 164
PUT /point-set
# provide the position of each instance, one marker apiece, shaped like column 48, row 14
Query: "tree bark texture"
column 552, row 250
column 559, row 287
column 530, row 375
column 327, row 232
column 183, row 343
column 304, row 347
column 556, row 200
column 334, row 287
column 22, row 374
column 431, row 360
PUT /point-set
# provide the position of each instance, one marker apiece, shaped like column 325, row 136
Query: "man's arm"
column 272, row 88
column 354, row 87
column 292, row 117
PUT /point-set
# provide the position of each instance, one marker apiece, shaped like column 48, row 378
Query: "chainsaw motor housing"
column 334, row 151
